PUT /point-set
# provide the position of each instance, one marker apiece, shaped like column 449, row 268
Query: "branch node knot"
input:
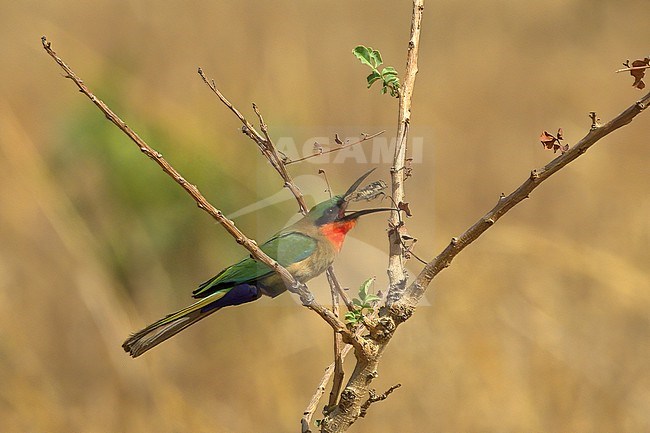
column 595, row 121
column 347, row 399
column 383, row 329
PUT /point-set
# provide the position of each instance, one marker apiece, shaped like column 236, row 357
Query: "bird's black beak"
column 356, row 214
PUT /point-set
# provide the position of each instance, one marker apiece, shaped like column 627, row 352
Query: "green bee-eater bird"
column 306, row 249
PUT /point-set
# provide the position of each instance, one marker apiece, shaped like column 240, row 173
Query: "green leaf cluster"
column 363, row 305
column 388, row 75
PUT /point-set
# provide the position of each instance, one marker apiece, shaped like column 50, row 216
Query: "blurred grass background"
column 542, row 325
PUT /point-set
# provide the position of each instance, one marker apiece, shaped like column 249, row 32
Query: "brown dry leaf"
column 552, row 142
column 639, row 74
column 405, row 207
column 548, row 140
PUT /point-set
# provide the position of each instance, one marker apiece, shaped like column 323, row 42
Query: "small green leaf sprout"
column 363, row 305
column 388, row 75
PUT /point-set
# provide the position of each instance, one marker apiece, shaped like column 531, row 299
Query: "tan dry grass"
column 542, row 326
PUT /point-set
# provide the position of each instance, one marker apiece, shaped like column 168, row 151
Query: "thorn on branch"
column 595, row 121
column 373, row 398
column 327, row 182
column 489, row 221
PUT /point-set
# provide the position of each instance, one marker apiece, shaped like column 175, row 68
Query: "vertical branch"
column 339, row 374
column 396, row 271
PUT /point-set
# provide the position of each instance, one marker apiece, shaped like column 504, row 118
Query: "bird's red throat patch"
column 335, row 232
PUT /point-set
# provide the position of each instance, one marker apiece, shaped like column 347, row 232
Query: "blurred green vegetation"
column 543, row 325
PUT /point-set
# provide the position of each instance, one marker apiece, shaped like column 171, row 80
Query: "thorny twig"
column 365, row 137
column 405, row 306
column 264, row 142
column 374, row 397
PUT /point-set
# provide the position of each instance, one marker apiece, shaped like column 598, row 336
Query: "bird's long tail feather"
column 170, row 325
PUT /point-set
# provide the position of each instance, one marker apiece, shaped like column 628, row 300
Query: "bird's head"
column 332, row 217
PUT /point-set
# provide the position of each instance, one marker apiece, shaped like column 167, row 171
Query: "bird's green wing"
column 285, row 248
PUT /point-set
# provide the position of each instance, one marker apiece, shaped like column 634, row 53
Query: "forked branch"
column 263, row 141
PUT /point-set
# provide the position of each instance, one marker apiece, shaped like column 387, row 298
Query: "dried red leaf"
column 404, row 207
column 552, row 142
column 547, row 140
column 639, row 74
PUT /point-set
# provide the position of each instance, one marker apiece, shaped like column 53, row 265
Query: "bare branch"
column 365, row 137
column 396, row 271
column 374, row 397
column 271, row 153
column 264, row 142
column 339, row 374
column 335, row 285
column 248, row 127
column 634, row 68
column 320, row 389
column 348, row 409
column 327, row 182
column 404, row 308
